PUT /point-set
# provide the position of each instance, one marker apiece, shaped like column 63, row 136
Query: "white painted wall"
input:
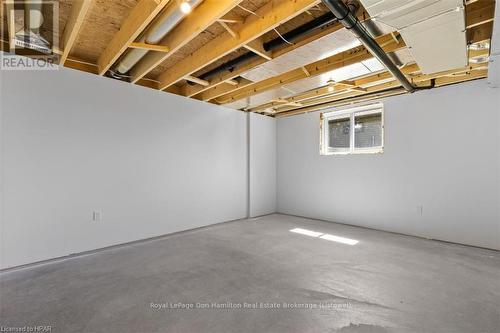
column 442, row 151
column 494, row 66
column 262, row 165
column 154, row 163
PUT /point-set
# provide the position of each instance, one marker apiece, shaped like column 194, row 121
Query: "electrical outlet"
column 96, row 216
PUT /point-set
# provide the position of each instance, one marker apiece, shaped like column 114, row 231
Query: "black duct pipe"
column 290, row 36
column 350, row 22
column 317, row 23
column 229, row 66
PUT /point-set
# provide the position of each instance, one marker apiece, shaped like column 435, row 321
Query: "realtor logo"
column 30, row 35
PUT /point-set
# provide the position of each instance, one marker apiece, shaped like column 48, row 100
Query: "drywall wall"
column 151, row 162
column 262, row 176
column 441, row 152
column 494, row 66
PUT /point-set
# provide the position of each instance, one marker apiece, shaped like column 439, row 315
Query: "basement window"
column 338, row 136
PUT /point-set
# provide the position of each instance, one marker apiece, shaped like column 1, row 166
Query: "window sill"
column 357, row 152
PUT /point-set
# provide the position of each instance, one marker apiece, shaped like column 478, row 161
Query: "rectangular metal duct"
column 434, row 30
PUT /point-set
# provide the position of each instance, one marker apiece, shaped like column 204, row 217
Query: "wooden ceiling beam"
column 89, row 67
column 481, row 30
column 229, row 29
column 344, row 100
column 480, row 33
column 191, row 91
column 139, row 18
column 343, row 86
column 354, row 55
column 8, row 6
column 75, row 21
column 418, row 80
column 480, row 12
column 231, row 18
column 257, row 47
column 222, row 89
column 202, row 17
column 196, row 80
column 268, row 17
column 349, row 99
column 479, row 21
column 149, row 47
column 232, row 82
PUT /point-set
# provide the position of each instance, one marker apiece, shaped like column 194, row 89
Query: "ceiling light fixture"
column 331, row 85
column 185, row 7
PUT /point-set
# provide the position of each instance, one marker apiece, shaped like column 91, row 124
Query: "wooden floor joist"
column 353, row 98
column 8, row 6
column 268, row 17
column 204, row 15
column 223, row 89
column 140, row 17
column 335, row 61
column 149, row 47
column 313, row 96
column 479, row 19
column 480, row 12
column 257, row 47
column 417, row 79
column 198, row 44
column 229, row 29
column 190, row 91
column 75, row 21
column 231, row 18
column 196, row 80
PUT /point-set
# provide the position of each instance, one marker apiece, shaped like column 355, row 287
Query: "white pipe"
column 33, row 18
column 167, row 21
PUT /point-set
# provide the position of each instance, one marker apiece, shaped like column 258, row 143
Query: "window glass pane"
column 368, row 130
column 339, row 133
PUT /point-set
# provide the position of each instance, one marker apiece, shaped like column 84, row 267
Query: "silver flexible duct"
column 167, row 21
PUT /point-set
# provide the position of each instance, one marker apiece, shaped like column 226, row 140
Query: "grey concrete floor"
column 385, row 283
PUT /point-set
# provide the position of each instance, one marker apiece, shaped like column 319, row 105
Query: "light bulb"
column 185, row 7
column 331, row 85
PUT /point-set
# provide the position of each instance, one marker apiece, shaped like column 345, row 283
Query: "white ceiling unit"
column 434, row 30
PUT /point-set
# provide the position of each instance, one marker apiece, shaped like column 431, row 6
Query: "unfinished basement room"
column 250, row 166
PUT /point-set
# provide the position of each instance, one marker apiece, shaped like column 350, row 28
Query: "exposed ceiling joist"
column 232, row 82
column 75, row 21
column 335, row 61
column 149, row 47
column 196, row 80
column 339, row 87
column 11, row 23
column 223, row 89
column 478, row 17
column 229, row 29
column 231, row 18
column 314, row 97
column 139, row 18
column 479, row 13
column 257, row 47
column 268, row 17
column 381, row 91
column 89, row 67
column 203, row 16
column 190, row 91
column 419, row 80
column 479, row 20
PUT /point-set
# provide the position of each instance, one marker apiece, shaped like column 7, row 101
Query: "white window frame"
column 350, row 113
